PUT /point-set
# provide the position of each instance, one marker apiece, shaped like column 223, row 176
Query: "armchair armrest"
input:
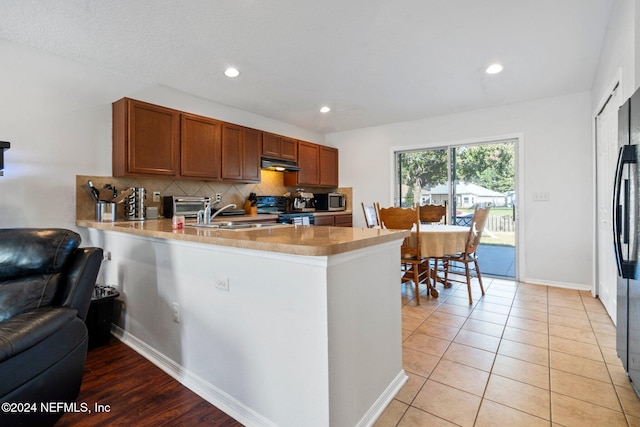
column 81, row 279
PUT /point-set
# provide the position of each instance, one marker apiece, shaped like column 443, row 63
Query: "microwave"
column 189, row 206
column 330, row 202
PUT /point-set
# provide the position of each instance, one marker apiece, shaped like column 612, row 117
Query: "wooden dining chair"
column 414, row 267
column 434, row 214
column 370, row 215
column 469, row 256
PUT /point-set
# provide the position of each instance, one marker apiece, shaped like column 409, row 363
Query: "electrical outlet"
column 175, row 308
column 223, row 284
column 156, row 196
column 106, row 256
column 218, row 197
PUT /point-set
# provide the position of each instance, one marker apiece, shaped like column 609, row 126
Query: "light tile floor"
column 522, row 355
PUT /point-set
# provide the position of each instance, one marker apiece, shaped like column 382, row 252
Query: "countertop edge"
column 231, row 239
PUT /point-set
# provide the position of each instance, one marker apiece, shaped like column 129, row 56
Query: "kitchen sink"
column 234, row 225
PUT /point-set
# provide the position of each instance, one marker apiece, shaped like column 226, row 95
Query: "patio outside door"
column 482, row 173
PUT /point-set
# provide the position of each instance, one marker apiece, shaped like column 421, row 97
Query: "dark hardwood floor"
column 138, row 394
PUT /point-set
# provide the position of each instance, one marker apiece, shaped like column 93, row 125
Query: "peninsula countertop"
column 291, row 239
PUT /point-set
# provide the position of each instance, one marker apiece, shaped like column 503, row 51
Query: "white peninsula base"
column 293, row 340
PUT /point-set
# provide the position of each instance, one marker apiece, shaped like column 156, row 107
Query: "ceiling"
column 372, row 61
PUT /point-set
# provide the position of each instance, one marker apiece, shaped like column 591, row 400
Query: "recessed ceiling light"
column 494, row 69
column 231, row 72
column 325, row 109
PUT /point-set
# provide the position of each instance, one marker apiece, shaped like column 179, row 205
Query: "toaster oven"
column 189, row 206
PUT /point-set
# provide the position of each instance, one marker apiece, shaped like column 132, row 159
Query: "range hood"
column 279, row 165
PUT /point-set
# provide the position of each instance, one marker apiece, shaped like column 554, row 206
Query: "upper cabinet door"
column 289, row 148
column 318, row 166
column 251, row 146
column 309, row 163
column 146, row 139
column 328, row 166
column 279, row 147
column 232, row 152
column 271, row 145
column 200, row 147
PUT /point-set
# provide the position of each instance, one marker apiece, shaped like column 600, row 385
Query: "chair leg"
column 445, row 267
column 416, row 280
column 475, row 262
column 434, row 272
column 466, row 270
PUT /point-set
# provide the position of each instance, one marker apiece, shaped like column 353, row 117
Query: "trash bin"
column 100, row 315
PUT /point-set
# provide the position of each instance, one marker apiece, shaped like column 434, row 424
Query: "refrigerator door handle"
column 625, row 213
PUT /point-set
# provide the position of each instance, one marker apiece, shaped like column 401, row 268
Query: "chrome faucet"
column 218, row 212
column 206, row 215
column 200, row 217
column 203, row 216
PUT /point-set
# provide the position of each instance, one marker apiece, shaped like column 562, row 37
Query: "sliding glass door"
column 420, row 171
column 464, row 176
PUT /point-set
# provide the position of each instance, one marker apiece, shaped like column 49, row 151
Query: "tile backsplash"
column 270, row 185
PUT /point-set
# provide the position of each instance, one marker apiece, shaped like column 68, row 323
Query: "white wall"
column 617, row 59
column 57, row 115
column 557, row 235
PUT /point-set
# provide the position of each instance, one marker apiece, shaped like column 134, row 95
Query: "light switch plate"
column 541, row 196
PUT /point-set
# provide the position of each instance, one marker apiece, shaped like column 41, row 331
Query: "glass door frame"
column 519, row 171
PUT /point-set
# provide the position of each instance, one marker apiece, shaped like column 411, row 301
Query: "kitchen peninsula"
column 277, row 326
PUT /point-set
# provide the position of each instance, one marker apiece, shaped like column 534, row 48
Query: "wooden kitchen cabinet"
column 328, row 166
column 151, row 141
column 241, row 149
column 318, row 166
column 343, row 220
column 309, row 163
column 337, row 220
column 200, row 148
column 251, row 145
column 323, row 220
column 146, row 139
column 279, row 147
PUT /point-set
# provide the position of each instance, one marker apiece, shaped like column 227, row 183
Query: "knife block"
column 250, row 210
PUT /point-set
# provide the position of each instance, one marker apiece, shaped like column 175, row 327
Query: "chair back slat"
column 434, row 213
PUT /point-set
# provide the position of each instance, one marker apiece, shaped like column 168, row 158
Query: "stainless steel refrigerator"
column 626, row 226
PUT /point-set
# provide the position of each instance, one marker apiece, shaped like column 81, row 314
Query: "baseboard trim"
column 383, row 401
column 228, row 404
column 204, row 389
column 575, row 286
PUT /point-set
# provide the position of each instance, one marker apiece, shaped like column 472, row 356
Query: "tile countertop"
column 290, row 239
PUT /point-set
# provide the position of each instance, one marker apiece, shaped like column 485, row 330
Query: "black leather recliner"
column 46, row 282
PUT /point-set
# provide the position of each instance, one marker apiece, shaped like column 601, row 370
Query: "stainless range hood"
column 279, row 165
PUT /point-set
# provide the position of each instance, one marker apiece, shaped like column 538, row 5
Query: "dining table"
column 438, row 240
